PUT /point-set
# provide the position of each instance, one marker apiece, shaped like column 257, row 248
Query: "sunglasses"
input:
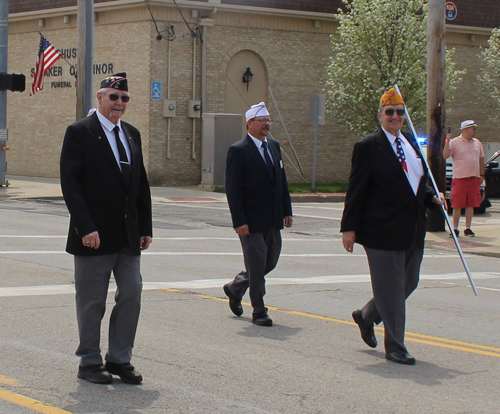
column 114, row 97
column 390, row 112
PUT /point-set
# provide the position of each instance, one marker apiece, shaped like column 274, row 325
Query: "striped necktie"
column 401, row 154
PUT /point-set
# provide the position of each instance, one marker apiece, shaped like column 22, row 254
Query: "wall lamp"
column 247, row 77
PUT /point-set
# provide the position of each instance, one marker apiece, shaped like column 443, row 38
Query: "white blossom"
column 380, row 43
column 489, row 77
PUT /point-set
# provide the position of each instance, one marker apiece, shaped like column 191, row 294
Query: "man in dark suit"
column 259, row 201
column 107, row 193
column 385, row 212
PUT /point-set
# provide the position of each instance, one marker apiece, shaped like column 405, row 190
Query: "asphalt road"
column 196, row 357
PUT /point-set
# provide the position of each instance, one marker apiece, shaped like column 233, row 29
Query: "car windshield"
column 495, row 155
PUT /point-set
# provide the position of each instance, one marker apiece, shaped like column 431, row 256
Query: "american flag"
column 47, row 56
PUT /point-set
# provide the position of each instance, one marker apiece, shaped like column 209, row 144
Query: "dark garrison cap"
column 116, row 81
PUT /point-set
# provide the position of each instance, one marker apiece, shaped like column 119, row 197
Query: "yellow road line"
column 451, row 341
column 410, row 336
column 30, row 403
column 41, row 407
column 9, row 381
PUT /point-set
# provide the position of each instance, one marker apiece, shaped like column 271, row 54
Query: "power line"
column 170, row 30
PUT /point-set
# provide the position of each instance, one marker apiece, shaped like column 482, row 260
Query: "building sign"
column 155, row 90
column 450, row 10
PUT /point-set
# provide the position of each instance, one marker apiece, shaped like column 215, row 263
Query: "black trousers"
column 261, row 252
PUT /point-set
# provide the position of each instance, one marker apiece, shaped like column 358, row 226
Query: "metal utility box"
column 169, row 108
column 194, row 109
column 220, row 131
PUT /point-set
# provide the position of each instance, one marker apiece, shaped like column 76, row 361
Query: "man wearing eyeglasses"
column 260, row 205
column 385, row 212
column 468, row 172
column 107, row 193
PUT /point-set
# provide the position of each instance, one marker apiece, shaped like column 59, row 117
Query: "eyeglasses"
column 390, row 112
column 114, row 97
column 264, row 121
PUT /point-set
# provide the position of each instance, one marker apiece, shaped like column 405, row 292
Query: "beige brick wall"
column 294, row 54
column 37, row 123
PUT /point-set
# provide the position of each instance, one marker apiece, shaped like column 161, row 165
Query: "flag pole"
column 443, row 210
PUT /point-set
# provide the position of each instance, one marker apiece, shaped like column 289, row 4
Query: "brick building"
column 206, row 47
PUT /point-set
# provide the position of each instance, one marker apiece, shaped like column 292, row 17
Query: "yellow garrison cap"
column 391, row 97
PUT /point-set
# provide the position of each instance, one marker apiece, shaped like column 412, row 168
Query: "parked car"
column 492, row 178
column 492, row 175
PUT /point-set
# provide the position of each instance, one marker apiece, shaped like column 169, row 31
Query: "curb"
column 318, row 198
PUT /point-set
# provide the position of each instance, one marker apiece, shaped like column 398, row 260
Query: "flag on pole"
column 47, row 56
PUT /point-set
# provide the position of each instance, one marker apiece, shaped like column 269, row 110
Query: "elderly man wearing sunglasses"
column 385, row 212
column 107, row 193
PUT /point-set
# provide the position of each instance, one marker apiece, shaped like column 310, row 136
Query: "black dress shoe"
column 234, row 302
column 367, row 331
column 126, row 372
column 400, row 357
column 95, row 373
column 262, row 320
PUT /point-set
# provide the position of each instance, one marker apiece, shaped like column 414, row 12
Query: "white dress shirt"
column 413, row 162
column 258, row 143
column 108, row 126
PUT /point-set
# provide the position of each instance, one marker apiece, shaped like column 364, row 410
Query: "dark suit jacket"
column 95, row 193
column 254, row 199
column 380, row 205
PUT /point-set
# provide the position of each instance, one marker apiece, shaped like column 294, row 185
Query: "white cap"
column 467, row 124
column 256, row 110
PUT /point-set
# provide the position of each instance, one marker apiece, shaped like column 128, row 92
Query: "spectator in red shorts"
column 468, row 173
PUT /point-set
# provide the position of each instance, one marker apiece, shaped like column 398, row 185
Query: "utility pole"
column 85, row 58
column 436, row 115
column 4, row 40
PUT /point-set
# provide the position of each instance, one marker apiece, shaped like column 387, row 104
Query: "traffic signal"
column 12, row 82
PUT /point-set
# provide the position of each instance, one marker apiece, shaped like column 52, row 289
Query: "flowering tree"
column 489, row 77
column 380, row 43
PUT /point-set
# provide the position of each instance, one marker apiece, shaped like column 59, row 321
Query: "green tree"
column 489, row 77
column 380, row 43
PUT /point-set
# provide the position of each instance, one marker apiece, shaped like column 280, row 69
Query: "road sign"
column 450, row 10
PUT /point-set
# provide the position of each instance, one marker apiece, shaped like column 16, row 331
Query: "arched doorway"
column 238, row 98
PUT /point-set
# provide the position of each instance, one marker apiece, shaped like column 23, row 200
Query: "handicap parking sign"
column 156, row 90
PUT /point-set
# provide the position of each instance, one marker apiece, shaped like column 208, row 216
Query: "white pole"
column 445, row 213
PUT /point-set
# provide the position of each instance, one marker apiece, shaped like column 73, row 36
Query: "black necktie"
column 124, row 164
column 269, row 163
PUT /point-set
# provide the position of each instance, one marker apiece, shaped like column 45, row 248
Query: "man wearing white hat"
column 468, row 173
column 259, row 201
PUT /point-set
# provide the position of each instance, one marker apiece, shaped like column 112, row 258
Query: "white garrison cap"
column 256, row 110
column 467, row 124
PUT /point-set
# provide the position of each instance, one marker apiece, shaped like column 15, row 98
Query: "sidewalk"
column 37, row 187
column 487, row 228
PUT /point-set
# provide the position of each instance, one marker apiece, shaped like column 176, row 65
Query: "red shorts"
column 465, row 192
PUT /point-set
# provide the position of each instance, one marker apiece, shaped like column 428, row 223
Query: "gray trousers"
column 394, row 275
column 92, row 274
column 261, row 252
